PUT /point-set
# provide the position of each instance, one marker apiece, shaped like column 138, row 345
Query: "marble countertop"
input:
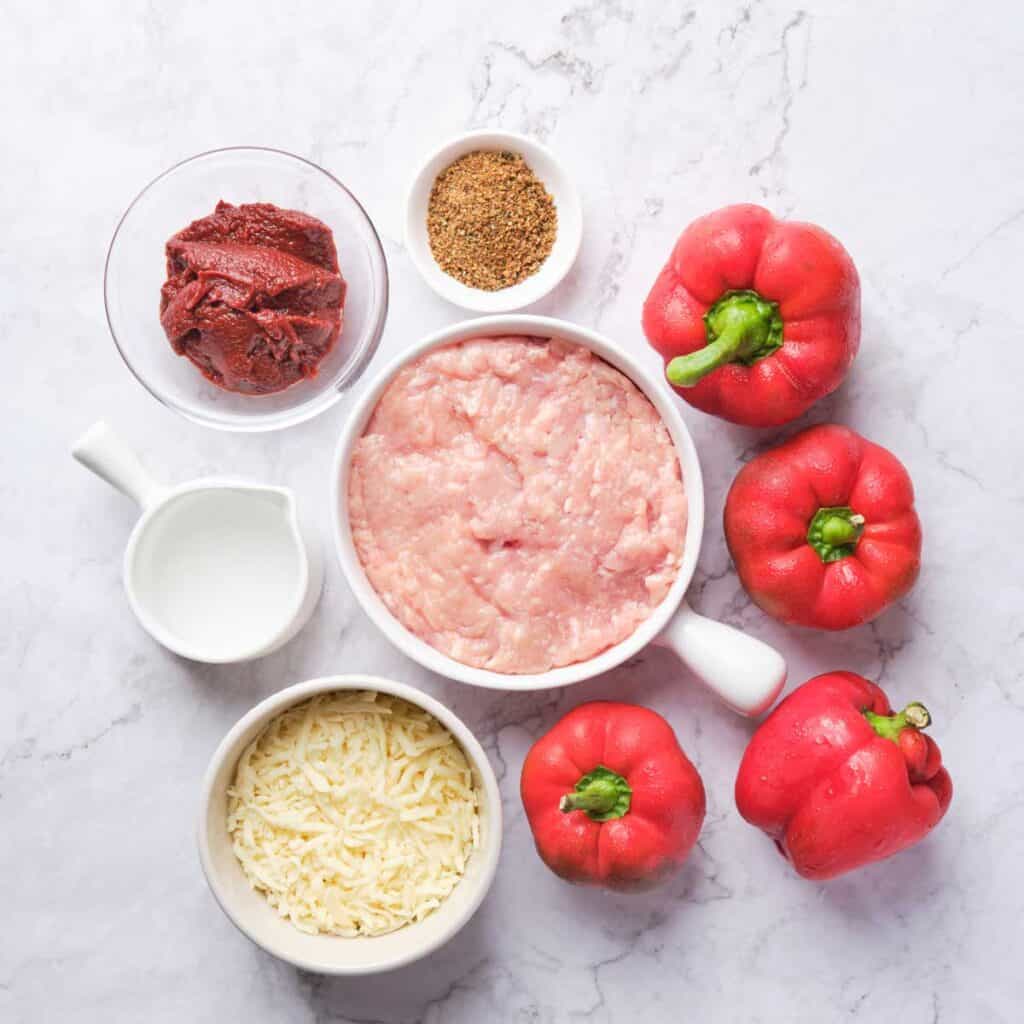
column 896, row 125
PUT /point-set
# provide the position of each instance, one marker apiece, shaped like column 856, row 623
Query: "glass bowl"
column 136, row 269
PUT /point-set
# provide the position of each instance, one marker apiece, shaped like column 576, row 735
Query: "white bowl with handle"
column 746, row 673
column 217, row 570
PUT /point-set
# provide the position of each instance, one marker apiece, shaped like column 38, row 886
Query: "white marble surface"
column 897, row 125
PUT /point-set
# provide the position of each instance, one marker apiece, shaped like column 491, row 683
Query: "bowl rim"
column 419, row 650
column 280, row 701
column 329, row 396
column 531, row 289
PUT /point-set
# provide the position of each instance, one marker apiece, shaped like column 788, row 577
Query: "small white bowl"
column 567, row 240
column 249, row 911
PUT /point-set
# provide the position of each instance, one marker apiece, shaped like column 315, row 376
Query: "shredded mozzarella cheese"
column 355, row 813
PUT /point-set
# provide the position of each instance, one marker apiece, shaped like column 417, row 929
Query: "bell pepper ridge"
column 822, row 529
column 641, row 802
column 838, row 781
column 756, row 318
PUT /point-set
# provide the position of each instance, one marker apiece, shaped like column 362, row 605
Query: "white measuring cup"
column 216, row 570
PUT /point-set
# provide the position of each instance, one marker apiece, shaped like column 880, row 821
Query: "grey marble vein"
column 896, row 125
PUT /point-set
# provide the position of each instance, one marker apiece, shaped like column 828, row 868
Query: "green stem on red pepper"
column 834, row 532
column 602, row 794
column 889, row 727
column 741, row 327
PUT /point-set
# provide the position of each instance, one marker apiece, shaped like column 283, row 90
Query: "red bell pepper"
column 823, row 530
column 611, row 798
column 756, row 318
column 838, row 780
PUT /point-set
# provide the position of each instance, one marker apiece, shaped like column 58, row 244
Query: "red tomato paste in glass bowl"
column 253, row 296
column 249, row 257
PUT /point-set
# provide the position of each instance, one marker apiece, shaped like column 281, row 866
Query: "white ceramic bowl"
column 567, row 241
column 331, row 954
column 745, row 672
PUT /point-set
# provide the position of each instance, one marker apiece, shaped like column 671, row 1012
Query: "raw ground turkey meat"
column 517, row 503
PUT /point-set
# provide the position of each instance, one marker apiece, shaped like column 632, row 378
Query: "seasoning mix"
column 490, row 220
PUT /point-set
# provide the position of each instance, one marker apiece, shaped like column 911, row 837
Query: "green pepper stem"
column 833, row 532
column 837, row 530
column 740, row 328
column 889, row 727
column 602, row 794
column 599, row 797
column 685, row 371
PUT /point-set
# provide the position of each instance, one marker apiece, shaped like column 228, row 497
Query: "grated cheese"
column 355, row 813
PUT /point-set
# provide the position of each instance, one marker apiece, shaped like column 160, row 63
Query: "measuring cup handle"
column 743, row 671
column 102, row 451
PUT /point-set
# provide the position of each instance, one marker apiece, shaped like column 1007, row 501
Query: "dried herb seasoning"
column 490, row 220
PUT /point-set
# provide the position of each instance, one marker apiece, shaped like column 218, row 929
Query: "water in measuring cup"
column 220, row 569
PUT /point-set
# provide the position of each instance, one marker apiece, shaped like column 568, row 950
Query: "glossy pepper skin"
column 822, row 529
column 611, row 798
column 756, row 318
column 838, row 781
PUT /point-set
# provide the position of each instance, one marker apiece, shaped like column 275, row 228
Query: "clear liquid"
column 220, row 570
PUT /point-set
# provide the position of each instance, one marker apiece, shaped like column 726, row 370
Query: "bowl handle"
column 102, row 451
column 743, row 671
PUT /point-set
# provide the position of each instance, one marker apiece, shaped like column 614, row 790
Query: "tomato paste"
column 253, row 296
